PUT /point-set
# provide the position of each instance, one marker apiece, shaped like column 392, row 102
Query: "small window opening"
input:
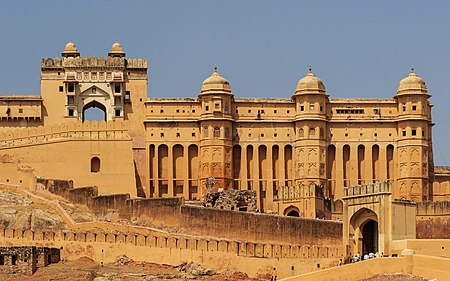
column 404, row 133
column 302, row 108
column 13, row 260
column 375, row 134
column 207, row 108
column 216, row 106
column 249, row 111
column 162, row 135
column 117, row 88
column 61, row 88
column 193, row 134
column 117, row 112
column 127, row 95
column 71, row 88
column 321, row 108
column 95, row 165
column 404, row 108
column 20, row 110
column 275, row 135
column 216, row 132
column 311, row 107
column 162, row 111
column 178, row 135
column 275, row 111
column 413, row 132
column 288, row 111
column 193, row 110
column 414, row 107
column 178, row 111
column 2, row 260
column 70, row 112
column 423, row 133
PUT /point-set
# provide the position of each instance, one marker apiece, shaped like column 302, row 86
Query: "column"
column 269, row 182
column 186, row 172
column 339, row 182
column 156, row 171
column 353, row 171
column 281, row 166
column 383, row 162
column 170, row 170
column 243, row 172
column 256, row 175
column 368, row 162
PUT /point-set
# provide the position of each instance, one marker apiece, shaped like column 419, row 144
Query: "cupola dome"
column 116, row 50
column 411, row 84
column 70, row 50
column 310, row 84
column 215, row 83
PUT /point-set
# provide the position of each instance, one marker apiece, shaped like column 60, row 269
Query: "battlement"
column 93, row 62
column 79, row 130
column 433, row 208
column 367, row 189
column 287, row 193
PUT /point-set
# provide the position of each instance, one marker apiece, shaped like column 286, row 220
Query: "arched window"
column 227, row 133
column 216, row 132
column 312, row 132
column 95, row 165
column 301, row 133
column 321, row 133
column 205, row 131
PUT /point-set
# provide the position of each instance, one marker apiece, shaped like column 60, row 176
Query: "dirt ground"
column 85, row 269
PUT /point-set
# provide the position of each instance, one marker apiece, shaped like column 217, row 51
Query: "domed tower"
column 70, row 50
column 216, row 133
column 116, row 51
column 311, row 125
column 414, row 151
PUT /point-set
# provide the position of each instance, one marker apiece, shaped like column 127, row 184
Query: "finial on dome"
column 309, row 69
column 215, row 68
column 70, row 50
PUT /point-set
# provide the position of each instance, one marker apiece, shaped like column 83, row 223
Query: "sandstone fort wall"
column 81, row 151
column 432, row 220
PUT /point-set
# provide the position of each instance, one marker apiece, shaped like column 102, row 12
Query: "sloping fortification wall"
column 252, row 258
column 212, row 222
column 433, row 220
column 68, row 151
column 103, row 241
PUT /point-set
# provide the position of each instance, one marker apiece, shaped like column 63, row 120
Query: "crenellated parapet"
column 367, row 189
column 287, row 193
column 75, row 130
column 92, row 62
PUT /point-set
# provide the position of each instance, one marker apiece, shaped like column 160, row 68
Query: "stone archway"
column 95, row 104
column 292, row 211
column 364, row 232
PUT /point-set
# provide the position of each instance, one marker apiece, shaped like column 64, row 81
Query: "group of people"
column 358, row 257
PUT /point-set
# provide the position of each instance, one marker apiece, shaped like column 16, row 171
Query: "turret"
column 70, row 50
column 216, row 130
column 311, row 125
column 414, row 154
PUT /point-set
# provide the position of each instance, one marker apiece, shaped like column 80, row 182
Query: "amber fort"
column 277, row 186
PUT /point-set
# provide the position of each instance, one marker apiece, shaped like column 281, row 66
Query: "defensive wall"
column 103, row 241
column 433, row 220
column 89, row 153
column 205, row 221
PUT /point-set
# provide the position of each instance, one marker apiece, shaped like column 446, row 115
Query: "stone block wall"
column 18, row 260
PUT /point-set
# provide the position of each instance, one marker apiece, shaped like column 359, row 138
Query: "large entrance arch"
column 94, row 111
column 364, row 232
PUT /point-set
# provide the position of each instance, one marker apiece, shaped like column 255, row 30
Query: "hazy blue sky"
column 358, row 48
